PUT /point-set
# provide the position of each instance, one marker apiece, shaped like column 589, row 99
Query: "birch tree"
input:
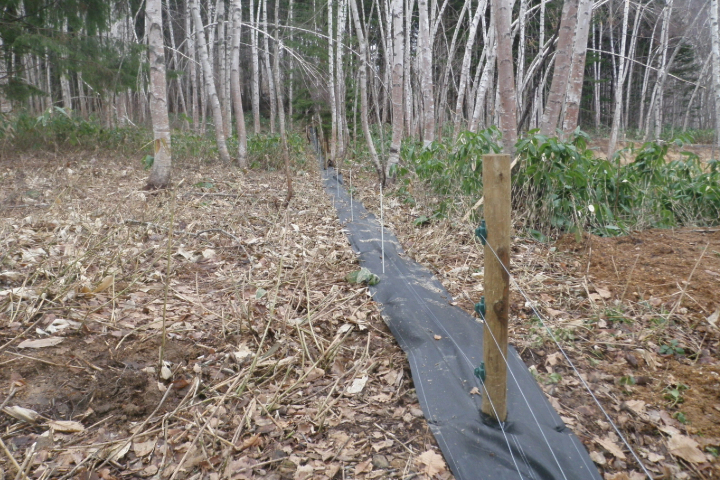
column 255, row 69
column 362, row 46
column 619, row 86
column 563, row 59
column 235, row 84
column 502, row 11
column 715, row 39
column 160, row 173
column 577, row 67
column 210, row 83
column 396, row 8
column 425, row 72
column 465, row 68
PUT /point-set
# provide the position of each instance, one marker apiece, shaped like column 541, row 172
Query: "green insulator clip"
column 481, row 232
column 480, row 308
column 480, row 372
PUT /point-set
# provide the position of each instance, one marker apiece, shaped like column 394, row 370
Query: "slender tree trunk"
column 255, row 69
column 270, row 79
column 235, row 84
column 160, row 173
column 563, row 61
column 577, row 68
column 364, row 93
column 192, row 62
column 281, row 104
column 398, row 35
column 596, row 77
column 210, row 84
column 465, row 69
column 646, row 78
column 82, row 101
column 225, row 100
column 715, row 40
column 445, row 82
column 331, row 85
column 688, row 109
column 478, row 116
column 656, row 97
column 176, row 64
column 631, row 63
column 617, row 114
column 521, row 53
column 507, row 111
column 340, row 83
column 291, row 65
column 425, row 65
column 407, row 75
column 64, row 80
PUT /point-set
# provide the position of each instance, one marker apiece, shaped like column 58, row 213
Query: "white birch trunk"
column 396, row 8
column 331, row 85
column 210, row 83
column 235, row 87
column 255, row 69
column 268, row 64
column 160, row 173
column 425, row 71
column 507, row 105
column 715, row 41
column 364, row 93
column 340, row 83
column 192, row 63
column 577, row 68
column 617, row 114
column 465, row 69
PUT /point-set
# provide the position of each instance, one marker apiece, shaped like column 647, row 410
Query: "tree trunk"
column 425, row 67
column 331, row 85
column 396, row 8
column 407, row 76
column 617, row 114
column 340, row 83
column 255, row 69
column 577, row 68
column 192, row 62
column 688, row 109
column 160, row 173
column 364, row 93
column 235, row 87
column 715, row 39
column 507, row 111
column 281, row 104
column 268, row 64
column 465, row 69
column 177, row 66
column 210, row 84
column 563, row 60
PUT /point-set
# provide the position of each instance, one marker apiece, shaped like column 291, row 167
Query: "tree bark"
column 465, row 68
column 160, row 173
column 364, row 92
column 331, row 84
column 425, row 66
column 270, row 79
column 715, row 40
column 281, row 105
column 563, row 60
column 396, row 8
column 255, row 69
column 507, row 111
column 617, row 114
column 235, row 87
column 210, row 84
column 577, row 68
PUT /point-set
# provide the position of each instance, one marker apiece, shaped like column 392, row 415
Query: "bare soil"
column 637, row 315
column 273, row 366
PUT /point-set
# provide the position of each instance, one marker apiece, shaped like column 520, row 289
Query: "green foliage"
column 562, row 186
column 674, row 394
column 265, row 150
column 452, row 170
column 671, row 349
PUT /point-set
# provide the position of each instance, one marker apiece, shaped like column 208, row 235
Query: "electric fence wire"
column 572, row 365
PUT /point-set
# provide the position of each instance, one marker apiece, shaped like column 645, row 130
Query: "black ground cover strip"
column 534, row 443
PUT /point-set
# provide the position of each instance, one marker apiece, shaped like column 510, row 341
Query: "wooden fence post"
column 496, row 186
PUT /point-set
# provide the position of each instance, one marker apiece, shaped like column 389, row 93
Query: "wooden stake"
column 496, row 183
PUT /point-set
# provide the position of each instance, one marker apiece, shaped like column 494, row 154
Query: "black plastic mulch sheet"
column 534, row 443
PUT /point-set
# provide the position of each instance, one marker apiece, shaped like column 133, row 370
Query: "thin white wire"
column 547, row 442
column 572, row 365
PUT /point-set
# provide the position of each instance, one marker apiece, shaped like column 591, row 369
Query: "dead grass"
column 224, row 350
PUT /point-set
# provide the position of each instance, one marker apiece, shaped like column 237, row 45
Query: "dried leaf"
column 22, row 414
column 686, row 448
column 433, row 463
column 611, row 447
column 603, row 293
column 598, row 458
column 357, row 386
column 143, row 449
column 66, row 426
column 104, row 284
column 713, row 319
column 437, row 337
column 41, row 343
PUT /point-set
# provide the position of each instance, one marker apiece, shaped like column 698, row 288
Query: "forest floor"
column 273, row 365
column 276, row 367
column 638, row 315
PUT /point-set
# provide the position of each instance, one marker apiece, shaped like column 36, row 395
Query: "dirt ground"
column 637, row 315
column 275, row 367
column 202, row 333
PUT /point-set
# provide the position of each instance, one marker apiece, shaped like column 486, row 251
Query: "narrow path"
column 444, row 345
